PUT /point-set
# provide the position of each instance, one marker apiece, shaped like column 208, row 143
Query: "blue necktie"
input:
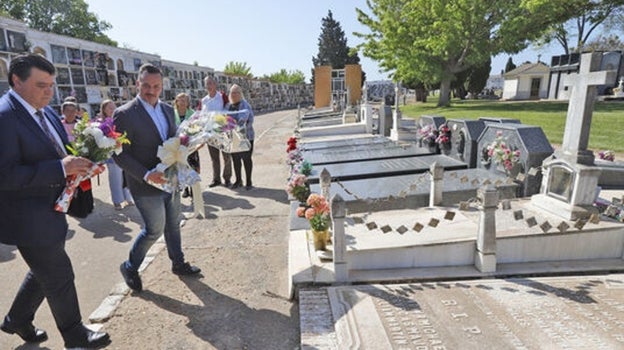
column 48, row 132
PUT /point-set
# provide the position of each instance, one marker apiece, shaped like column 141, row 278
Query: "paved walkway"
column 239, row 302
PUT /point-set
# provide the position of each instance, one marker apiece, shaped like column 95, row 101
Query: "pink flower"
column 301, row 212
column 309, row 213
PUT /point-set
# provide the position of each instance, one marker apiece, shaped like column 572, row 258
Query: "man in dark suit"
column 33, row 168
column 148, row 122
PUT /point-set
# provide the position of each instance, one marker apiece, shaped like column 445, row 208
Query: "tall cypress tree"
column 510, row 65
column 333, row 49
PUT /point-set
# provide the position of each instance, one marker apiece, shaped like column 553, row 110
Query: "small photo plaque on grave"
column 464, row 179
column 518, row 215
column 560, row 182
column 533, row 171
column 531, row 221
column 402, row 229
column 371, row 225
column 385, row 228
column 358, row 220
column 580, row 224
column 563, row 227
column 464, row 206
column 434, row 222
column 418, row 227
column 450, row 215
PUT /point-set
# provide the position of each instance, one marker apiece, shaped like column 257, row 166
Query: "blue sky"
column 267, row 35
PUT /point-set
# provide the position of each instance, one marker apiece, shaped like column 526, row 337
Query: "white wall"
column 510, row 89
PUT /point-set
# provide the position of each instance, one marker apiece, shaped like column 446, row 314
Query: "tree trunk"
column 421, row 94
column 445, row 93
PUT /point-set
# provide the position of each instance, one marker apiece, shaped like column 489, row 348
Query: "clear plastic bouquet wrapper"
column 96, row 141
column 217, row 129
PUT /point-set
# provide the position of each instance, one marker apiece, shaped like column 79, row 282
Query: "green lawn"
column 606, row 130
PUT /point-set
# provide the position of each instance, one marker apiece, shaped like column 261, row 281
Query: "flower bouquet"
column 316, row 212
column 444, row 136
column 607, row 155
column 428, row 135
column 227, row 135
column 96, row 141
column 298, row 187
column 501, row 153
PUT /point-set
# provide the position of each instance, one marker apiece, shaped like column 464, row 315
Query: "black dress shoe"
column 89, row 340
column 132, row 278
column 28, row 333
column 227, row 184
column 237, row 184
column 185, row 269
column 214, row 184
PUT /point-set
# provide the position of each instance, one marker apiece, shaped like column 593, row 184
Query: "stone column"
column 325, row 182
column 437, row 174
column 338, row 213
column 485, row 257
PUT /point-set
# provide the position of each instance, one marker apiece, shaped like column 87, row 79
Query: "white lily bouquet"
column 218, row 129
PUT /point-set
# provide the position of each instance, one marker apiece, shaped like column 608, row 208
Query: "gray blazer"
column 139, row 156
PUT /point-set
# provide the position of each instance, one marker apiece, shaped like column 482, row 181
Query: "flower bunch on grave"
column 444, row 136
column 295, row 160
column 298, row 187
column 607, row 155
column 428, row 135
column 501, row 153
column 292, row 144
column 316, row 212
column 96, row 140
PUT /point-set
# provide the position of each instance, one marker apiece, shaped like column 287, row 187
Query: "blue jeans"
column 161, row 214
column 115, row 182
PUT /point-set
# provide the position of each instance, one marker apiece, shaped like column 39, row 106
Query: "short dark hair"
column 23, row 64
column 149, row 69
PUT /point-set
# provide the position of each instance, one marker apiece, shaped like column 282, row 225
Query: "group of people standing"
column 33, row 170
column 216, row 101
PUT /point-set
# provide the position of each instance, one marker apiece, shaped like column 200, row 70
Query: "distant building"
column 563, row 65
column 334, row 86
column 528, row 81
column 93, row 72
column 495, row 82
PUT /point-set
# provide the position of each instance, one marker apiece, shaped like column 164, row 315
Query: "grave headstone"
column 569, row 187
column 500, row 120
column 385, row 119
column 464, row 140
column 533, row 147
column 427, row 128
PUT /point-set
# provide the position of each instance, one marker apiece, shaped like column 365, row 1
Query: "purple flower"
column 107, row 126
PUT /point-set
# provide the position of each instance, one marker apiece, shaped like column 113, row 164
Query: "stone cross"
column 580, row 107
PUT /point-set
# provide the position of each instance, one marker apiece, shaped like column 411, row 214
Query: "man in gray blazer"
column 148, row 122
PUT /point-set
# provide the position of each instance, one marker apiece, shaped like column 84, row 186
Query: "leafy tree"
column 510, row 65
column 284, row 76
column 333, row 48
column 237, row 68
column 65, row 17
column 588, row 18
column 478, row 77
column 433, row 40
column 609, row 43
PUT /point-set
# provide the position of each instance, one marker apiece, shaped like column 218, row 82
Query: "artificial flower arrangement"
column 444, row 136
column 607, row 155
column 96, row 140
column 298, row 187
column 428, row 135
column 501, row 153
column 316, row 212
column 295, row 160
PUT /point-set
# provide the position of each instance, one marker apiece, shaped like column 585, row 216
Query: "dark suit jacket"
column 139, row 156
column 31, row 178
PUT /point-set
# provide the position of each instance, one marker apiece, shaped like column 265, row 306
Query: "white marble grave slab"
column 352, row 153
column 525, row 313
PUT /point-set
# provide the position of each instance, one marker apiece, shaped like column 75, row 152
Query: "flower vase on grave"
column 320, row 239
